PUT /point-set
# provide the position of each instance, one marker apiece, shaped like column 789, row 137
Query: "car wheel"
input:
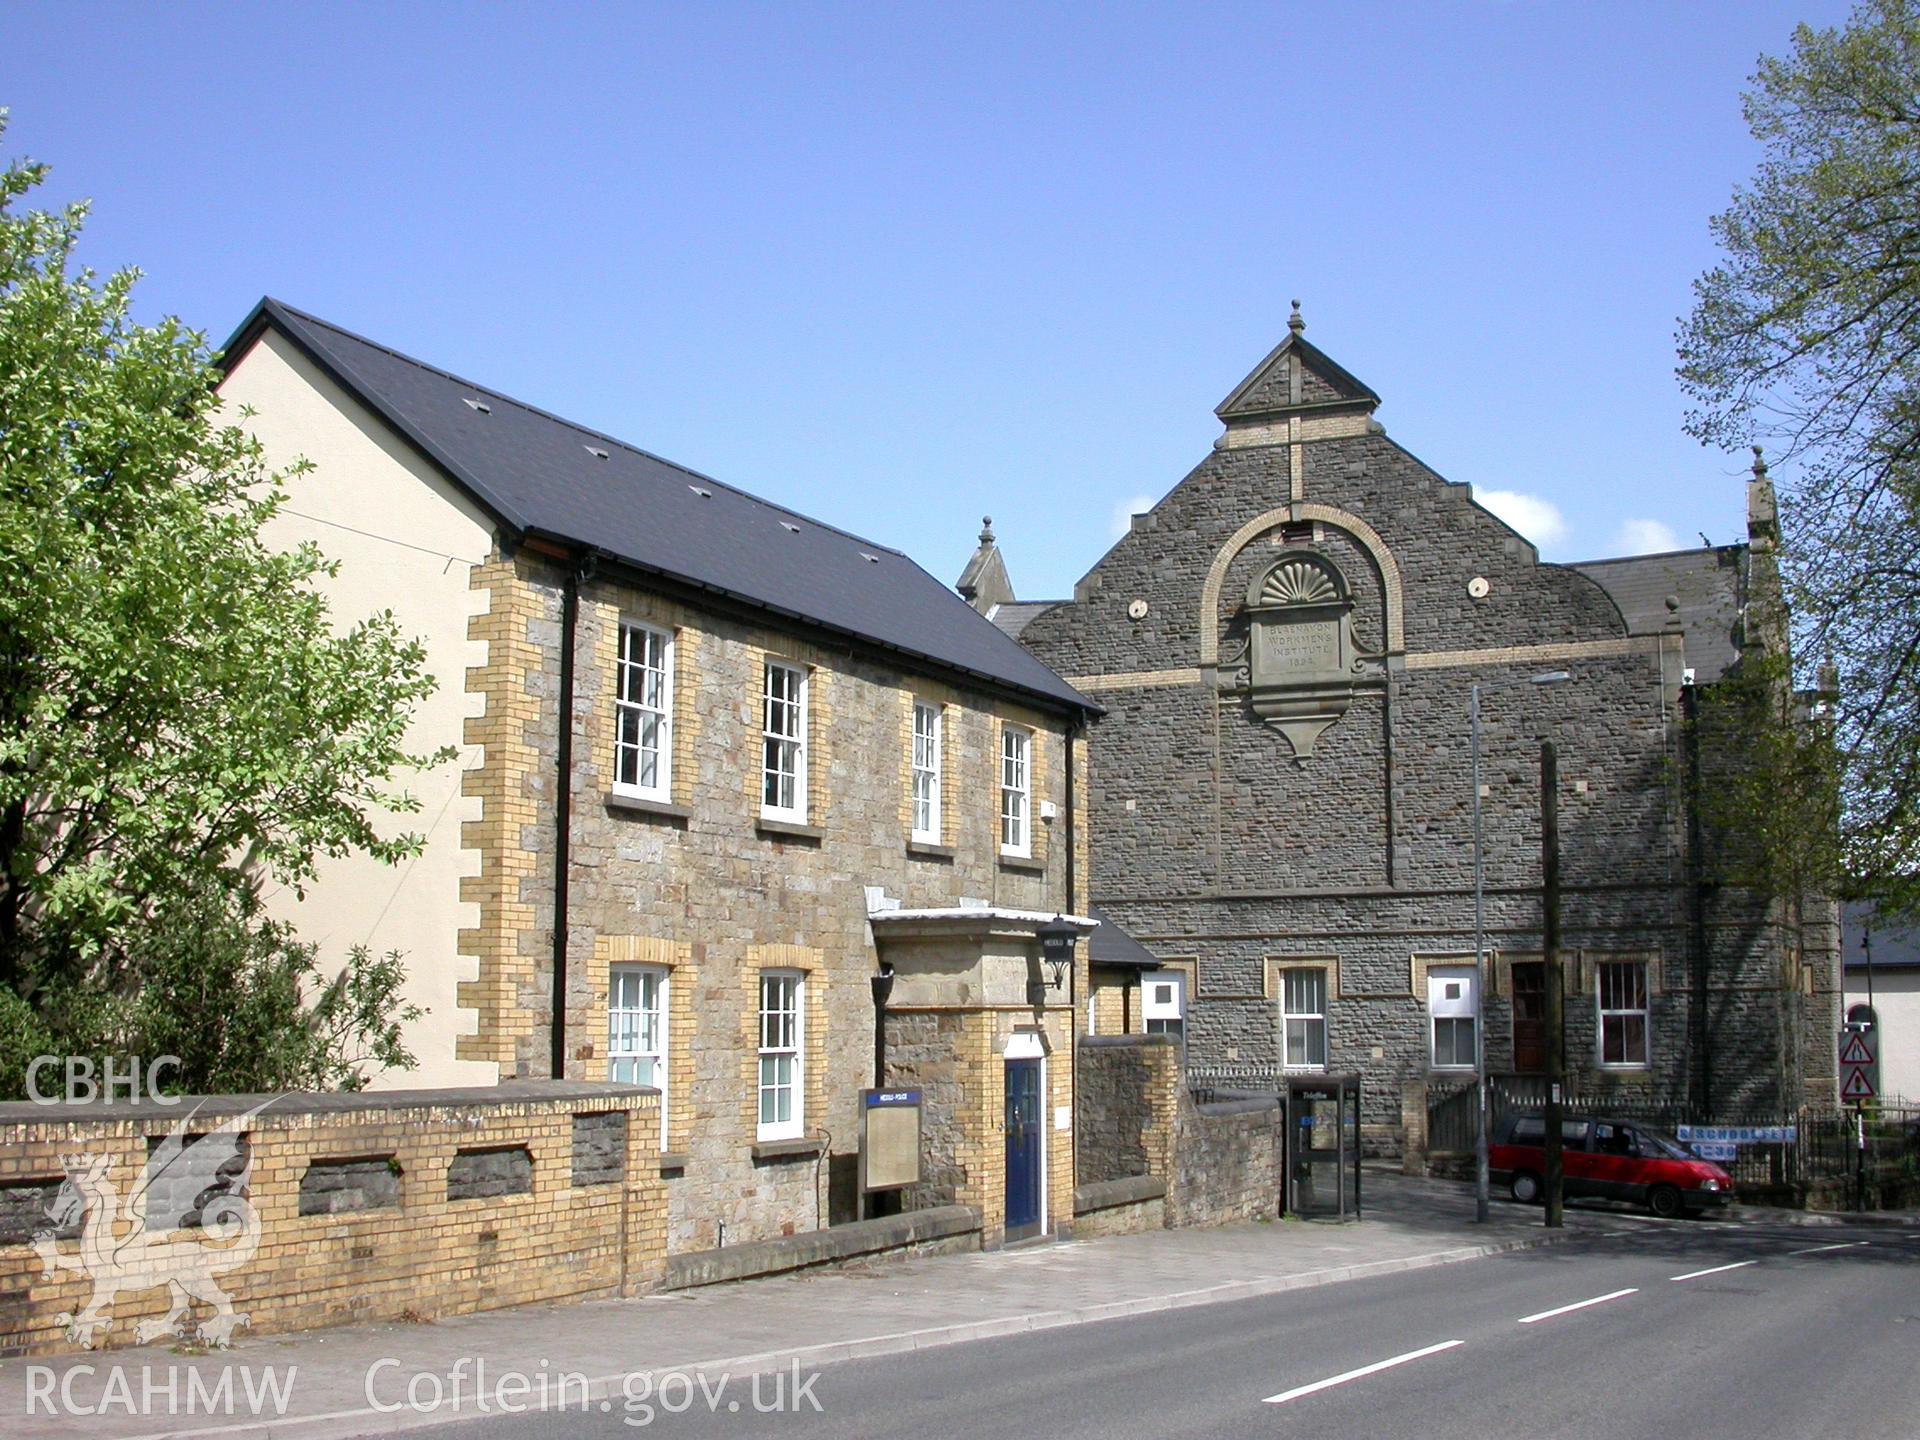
column 1665, row 1202
column 1526, row 1188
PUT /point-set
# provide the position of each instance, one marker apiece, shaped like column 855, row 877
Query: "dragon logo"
column 194, row 1189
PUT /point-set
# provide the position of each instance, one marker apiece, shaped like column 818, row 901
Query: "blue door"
column 1024, row 1135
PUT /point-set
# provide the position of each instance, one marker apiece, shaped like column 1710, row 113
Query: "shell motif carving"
column 1297, row 583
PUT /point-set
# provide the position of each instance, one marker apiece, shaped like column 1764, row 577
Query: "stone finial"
column 1294, row 321
column 1763, row 513
column 984, row 583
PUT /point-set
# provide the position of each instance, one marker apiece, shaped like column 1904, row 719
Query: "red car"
column 1608, row 1160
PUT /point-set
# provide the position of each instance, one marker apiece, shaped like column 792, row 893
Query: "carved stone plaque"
column 1301, row 657
column 1305, row 647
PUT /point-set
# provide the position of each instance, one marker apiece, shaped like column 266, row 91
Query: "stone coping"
column 1127, row 1190
column 334, row 1102
column 820, row 1247
column 1243, row 1105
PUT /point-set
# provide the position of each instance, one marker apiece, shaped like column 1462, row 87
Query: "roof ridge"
column 577, row 427
column 1656, row 555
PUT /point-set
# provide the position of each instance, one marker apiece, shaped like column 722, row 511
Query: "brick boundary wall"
column 588, row 1219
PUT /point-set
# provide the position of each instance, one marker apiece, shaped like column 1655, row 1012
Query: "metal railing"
column 1826, row 1145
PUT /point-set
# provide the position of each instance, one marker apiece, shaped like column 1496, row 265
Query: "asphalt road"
column 1689, row 1330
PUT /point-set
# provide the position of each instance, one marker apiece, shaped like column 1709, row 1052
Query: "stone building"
column 1286, row 645
column 712, row 758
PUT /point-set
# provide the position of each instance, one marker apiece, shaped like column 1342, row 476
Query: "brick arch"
column 1365, row 534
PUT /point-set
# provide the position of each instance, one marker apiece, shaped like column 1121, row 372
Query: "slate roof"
column 540, row 475
column 1707, row 584
column 1896, row 946
column 1110, row 945
column 1014, row 616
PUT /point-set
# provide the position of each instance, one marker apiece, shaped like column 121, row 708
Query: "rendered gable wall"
column 407, row 542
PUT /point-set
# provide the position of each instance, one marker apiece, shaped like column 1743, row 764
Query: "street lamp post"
column 1480, row 1176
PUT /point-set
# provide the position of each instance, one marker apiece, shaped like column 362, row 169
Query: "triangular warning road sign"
column 1854, row 1050
column 1856, row 1086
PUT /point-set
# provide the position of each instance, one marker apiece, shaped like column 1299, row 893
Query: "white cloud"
column 1539, row 520
column 1124, row 512
column 1644, row 537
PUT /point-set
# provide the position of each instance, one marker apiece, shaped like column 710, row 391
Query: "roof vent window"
column 703, row 494
column 870, row 559
column 791, row 529
column 480, row 405
column 596, row 452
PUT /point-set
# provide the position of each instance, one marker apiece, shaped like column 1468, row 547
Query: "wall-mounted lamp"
column 1057, row 939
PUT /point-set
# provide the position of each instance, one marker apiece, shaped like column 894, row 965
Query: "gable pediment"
column 1296, row 375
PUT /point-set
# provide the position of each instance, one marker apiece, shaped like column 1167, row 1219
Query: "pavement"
column 1712, row 1332
column 382, row 1379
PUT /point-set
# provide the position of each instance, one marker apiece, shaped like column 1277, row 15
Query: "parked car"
column 1607, row 1160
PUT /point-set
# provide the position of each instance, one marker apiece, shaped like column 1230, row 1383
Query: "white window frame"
column 925, row 767
column 628, row 1041
column 789, row 711
column 630, row 676
column 782, row 1037
column 1151, row 1013
column 1016, row 791
column 1452, row 1011
column 1604, row 1012
column 1308, row 1019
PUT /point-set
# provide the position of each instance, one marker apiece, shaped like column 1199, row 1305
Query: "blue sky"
column 902, row 265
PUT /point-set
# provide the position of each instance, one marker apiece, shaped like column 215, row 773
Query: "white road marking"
column 1363, row 1371
column 1696, row 1274
column 1579, row 1305
column 1819, row 1249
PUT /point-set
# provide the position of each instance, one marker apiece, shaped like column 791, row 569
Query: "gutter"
column 545, row 541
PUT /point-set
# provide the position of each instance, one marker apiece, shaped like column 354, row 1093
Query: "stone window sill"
column 1025, row 864
column 795, row 1149
column 672, row 1160
column 927, row 850
column 788, row 829
column 639, row 805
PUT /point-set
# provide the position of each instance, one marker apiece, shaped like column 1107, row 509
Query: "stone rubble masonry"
column 956, row 1058
column 1216, row 1163
column 332, row 1187
column 704, row 888
column 422, row 1256
column 1213, row 844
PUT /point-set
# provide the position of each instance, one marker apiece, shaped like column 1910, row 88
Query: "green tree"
column 180, row 720
column 1807, row 337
